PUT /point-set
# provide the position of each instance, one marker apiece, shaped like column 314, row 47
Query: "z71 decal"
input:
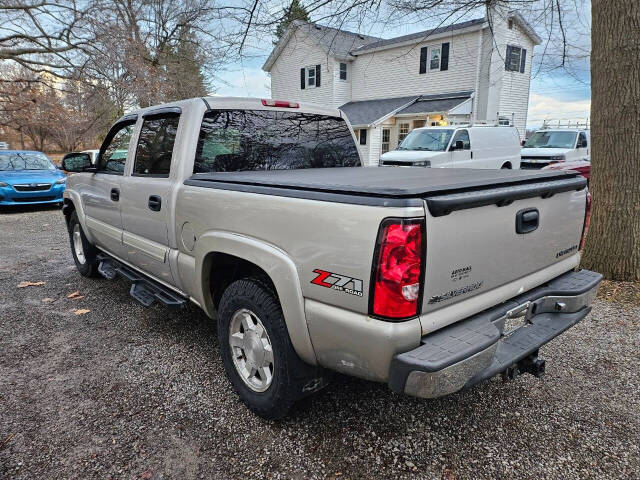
column 342, row 283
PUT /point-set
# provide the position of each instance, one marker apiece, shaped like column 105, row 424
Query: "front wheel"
column 84, row 254
column 256, row 350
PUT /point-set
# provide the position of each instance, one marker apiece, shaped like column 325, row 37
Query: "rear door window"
column 242, row 140
column 155, row 146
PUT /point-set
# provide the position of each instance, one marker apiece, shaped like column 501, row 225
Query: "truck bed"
column 396, row 186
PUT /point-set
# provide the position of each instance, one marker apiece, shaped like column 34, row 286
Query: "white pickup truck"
column 549, row 146
column 260, row 213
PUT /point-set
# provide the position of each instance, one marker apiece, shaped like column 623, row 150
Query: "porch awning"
column 436, row 103
column 370, row 112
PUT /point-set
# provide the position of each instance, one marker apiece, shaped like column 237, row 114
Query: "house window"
column 515, row 59
column 363, row 137
column 311, row 76
column 434, row 58
column 343, row 71
column 403, row 132
column 504, row 121
column 386, row 135
column 419, row 123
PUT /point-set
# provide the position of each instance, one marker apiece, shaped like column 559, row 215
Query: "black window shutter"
column 523, row 60
column 423, row 60
column 508, row 58
column 302, row 78
column 317, row 75
column 444, row 60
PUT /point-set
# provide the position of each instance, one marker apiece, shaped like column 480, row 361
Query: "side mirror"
column 459, row 145
column 77, row 162
column 522, row 143
column 582, row 144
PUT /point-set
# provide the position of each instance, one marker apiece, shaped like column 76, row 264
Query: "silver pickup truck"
column 260, row 213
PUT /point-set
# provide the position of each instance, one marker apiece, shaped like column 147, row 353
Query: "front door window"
column 113, row 154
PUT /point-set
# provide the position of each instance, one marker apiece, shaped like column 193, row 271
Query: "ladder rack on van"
column 551, row 124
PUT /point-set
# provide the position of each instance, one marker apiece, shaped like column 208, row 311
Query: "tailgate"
column 475, row 256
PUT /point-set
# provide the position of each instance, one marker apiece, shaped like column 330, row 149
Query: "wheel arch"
column 224, row 256
column 71, row 203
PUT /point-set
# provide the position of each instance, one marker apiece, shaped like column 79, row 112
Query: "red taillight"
column 279, row 103
column 398, row 269
column 587, row 220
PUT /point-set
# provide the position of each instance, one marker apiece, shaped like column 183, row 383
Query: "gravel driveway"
column 122, row 391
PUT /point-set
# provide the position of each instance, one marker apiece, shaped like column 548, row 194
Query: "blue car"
column 28, row 177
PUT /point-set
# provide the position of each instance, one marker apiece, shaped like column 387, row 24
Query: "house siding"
column 302, row 51
column 482, row 95
column 514, row 94
column 394, row 72
column 341, row 88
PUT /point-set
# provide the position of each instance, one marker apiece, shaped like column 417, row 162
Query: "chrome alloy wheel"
column 77, row 244
column 251, row 350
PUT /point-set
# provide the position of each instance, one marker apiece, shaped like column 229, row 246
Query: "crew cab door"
column 101, row 193
column 146, row 197
column 461, row 156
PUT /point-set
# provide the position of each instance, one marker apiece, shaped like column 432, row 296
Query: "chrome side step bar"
column 143, row 289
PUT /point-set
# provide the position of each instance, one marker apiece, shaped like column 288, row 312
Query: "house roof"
column 337, row 43
column 368, row 112
column 419, row 36
column 345, row 45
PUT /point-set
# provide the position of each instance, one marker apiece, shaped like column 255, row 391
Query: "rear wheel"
column 84, row 254
column 256, row 350
column 506, row 166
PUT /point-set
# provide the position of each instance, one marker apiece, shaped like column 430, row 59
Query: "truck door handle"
column 155, row 203
column 115, row 194
column 527, row 220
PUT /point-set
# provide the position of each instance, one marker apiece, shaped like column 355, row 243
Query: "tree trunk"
column 613, row 242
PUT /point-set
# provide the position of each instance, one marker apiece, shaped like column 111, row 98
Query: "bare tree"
column 613, row 244
column 45, row 36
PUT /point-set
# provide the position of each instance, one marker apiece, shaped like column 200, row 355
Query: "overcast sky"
column 561, row 94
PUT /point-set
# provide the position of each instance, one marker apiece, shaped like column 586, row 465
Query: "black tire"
column 292, row 378
column 88, row 268
column 506, row 166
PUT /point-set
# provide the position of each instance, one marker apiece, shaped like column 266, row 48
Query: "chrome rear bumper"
column 468, row 352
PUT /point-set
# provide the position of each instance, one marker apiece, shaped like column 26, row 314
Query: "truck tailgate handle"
column 527, row 220
column 155, row 203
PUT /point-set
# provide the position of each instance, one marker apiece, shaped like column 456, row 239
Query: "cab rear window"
column 243, row 140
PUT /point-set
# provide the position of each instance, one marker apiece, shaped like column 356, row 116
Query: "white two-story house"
column 474, row 71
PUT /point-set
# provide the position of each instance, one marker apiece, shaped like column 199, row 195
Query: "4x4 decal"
column 338, row 282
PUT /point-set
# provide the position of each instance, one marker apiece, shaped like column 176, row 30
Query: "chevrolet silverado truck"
column 260, row 213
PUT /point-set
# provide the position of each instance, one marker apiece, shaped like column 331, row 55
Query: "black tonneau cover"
column 395, row 186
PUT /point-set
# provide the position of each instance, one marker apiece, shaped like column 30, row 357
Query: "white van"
column 553, row 145
column 457, row 147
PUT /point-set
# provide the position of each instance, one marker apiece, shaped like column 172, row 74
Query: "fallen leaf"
column 48, row 300
column 74, row 294
column 81, row 311
column 29, row 284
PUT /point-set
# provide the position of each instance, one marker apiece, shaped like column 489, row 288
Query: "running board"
column 143, row 289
